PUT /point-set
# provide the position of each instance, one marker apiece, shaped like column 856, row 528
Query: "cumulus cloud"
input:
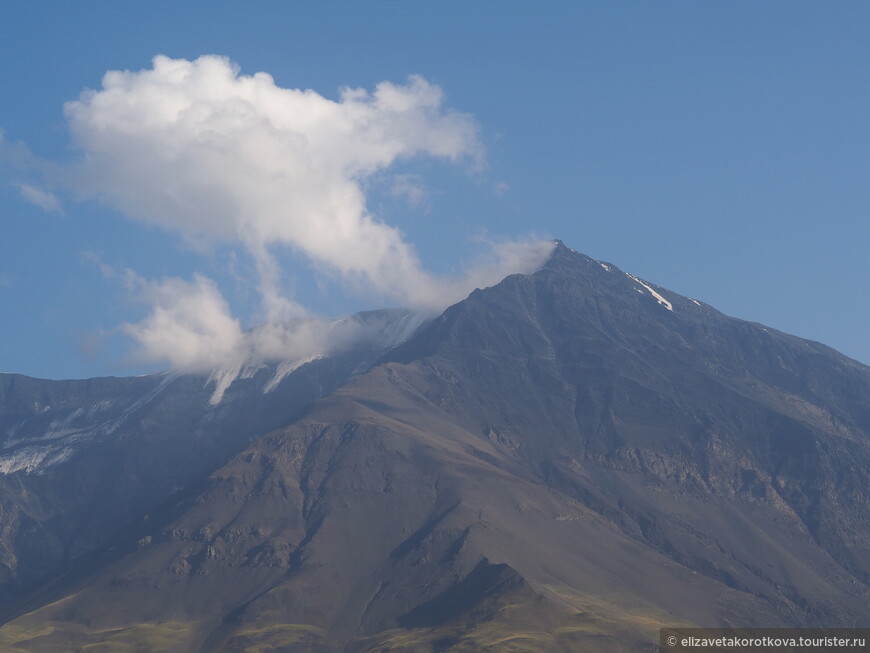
column 190, row 325
column 198, row 148
column 45, row 200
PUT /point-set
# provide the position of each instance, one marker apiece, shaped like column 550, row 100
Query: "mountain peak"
column 565, row 258
column 561, row 252
column 578, row 414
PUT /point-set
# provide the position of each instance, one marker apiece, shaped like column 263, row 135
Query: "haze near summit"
column 221, row 158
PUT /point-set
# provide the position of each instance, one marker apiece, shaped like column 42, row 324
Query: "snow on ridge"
column 222, row 379
column 371, row 331
column 38, row 450
column 395, row 332
column 48, row 436
column 285, row 368
column 661, row 300
column 604, row 265
column 34, row 459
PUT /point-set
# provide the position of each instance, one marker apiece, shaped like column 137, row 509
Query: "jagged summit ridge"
column 564, row 256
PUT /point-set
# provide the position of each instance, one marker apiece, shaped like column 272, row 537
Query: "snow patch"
column 49, row 436
column 222, row 380
column 380, row 331
column 32, row 451
column 33, row 459
column 285, row 368
column 661, row 300
column 695, row 301
column 374, row 331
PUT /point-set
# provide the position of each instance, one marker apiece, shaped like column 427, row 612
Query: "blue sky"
column 721, row 150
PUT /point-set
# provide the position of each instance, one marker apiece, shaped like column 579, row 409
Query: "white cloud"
column 219, row 157
column 18, row 162
column 93, row 258
column 45, row 200
column 17, row 158
column 197, row 148
column 190, row 326
column 411, row 188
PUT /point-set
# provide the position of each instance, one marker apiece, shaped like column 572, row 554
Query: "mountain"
column 79, row 458
column 566, row 461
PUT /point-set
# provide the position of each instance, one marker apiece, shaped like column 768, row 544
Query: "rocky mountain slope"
column 566, row 461
column 79, row 459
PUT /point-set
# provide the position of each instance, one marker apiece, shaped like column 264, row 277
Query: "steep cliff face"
column 567, row 460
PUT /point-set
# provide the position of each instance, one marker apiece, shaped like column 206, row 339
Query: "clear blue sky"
column 721, row 150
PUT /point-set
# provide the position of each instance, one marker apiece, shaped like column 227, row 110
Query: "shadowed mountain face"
column 79, row 459
column 566, row 461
